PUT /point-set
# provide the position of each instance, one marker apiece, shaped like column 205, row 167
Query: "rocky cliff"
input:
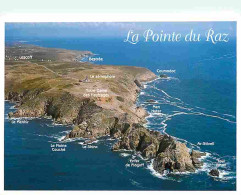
column 103, row 104
column 168, row 154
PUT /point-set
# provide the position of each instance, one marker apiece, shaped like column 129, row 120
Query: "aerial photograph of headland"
column 120, row 106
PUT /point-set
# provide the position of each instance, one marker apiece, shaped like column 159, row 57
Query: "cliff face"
column 60, row 87
column 99, row 101
column 92, row 121
column 63, row 107
column 168, row 154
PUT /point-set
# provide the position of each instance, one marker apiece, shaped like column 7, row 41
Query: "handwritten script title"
column 150, row 36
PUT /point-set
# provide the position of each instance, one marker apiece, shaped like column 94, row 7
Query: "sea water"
column 196, row 105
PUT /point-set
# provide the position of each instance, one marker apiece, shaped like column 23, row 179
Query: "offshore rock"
column 138, row 138
column 214, row 173
column 43, row 89
column 196, row 155
column 10, row 114
column 173, row 156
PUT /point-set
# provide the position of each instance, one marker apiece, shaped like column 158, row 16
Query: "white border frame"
column 94, row 17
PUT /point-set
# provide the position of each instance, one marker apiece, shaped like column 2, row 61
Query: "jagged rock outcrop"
column 214, row 173
column 63, row 108
column 138, row 138
column 92, row 121
column 168, row 154
column 196, row 155
column 138, row 83
column 173, row 156
column 49, row 89
column 14, row 96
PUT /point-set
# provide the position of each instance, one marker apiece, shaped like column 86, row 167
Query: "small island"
column 98, row 100
column 163, row 76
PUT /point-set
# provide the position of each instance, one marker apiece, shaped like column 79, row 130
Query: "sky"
column 110, row 29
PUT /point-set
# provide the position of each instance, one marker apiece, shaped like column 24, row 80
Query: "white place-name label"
column 103, row 76
column 165, row 71
column 96, row 93
column 134, row 163
column 156, row 109
column 89, row 147
column 98, row 59
column 58, row 147
column 205, row 143
column 26, row 57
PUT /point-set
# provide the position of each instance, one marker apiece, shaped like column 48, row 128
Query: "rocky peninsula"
column 98, row 100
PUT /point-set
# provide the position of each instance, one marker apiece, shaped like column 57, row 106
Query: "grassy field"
column 38, row 81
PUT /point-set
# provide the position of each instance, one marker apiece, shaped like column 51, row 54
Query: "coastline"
column 128, row 125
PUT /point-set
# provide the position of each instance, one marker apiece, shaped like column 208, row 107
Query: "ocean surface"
column 196, row 104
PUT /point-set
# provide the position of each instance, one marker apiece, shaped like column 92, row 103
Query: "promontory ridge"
column 98, row 100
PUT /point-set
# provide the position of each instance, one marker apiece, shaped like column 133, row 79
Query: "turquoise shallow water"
column 197, row 104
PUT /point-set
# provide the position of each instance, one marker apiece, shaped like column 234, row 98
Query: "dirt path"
column 57, row 74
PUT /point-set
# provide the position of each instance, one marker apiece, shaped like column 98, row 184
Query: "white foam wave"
column 73, row 139
column 165, row 175
column 82, row 143
column 13, row 107
column 61, row 138
column 189, row 110
column 155, row 173
column 125, row 154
